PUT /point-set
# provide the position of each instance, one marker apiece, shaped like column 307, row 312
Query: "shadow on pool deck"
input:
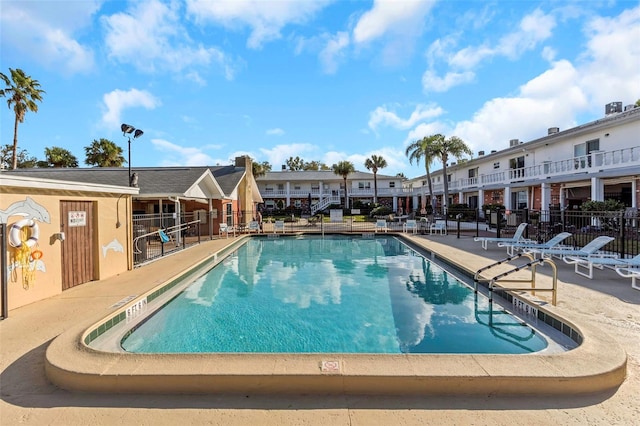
column 27, row 395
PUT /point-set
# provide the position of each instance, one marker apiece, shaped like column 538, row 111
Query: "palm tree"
column 104, row 153
column 344, row 168
column 260, row 169
column 424, row 149
column 60, row 157
column 22, row 94
column 454, row 146
column 374, row 163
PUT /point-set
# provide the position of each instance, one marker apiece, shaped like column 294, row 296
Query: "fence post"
column 623, row 244
column 525, row 219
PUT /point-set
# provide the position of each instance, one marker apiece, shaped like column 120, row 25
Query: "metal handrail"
column 170, row 230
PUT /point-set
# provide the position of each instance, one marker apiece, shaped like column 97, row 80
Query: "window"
column 364, row 185
column 496, row 165
column 581, row 152
column 517, row 167
column 268, row 189
column 296, row 187
column 473, row 173
column 281, row 187
column 315, row 187
column 392, row 184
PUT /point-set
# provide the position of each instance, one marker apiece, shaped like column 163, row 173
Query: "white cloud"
column 44, row 32
column 276, row 131
column 433, row 83
column 333, row 50
column 553, row 98
column 182, row 156
column 266, row 19
column 151, row 37
column 383, row 116
column 609, row 69
column 279, row 154
column 388, row 16
column 118, row 100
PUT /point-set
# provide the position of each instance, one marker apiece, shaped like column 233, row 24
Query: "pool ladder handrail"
column 531, row 264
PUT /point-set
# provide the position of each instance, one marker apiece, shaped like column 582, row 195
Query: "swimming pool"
column 331, row 294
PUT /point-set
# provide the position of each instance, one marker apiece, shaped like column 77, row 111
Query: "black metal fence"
column 191, row 228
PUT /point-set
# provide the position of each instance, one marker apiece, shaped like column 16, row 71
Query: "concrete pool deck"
column 605, row 305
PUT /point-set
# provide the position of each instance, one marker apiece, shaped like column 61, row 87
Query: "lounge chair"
column 225, row 229
column 552, row 243
column 589, row 263
column 278, row 225
column 438, row 226
column 517, row 237
column 632, row 272
column 584, row 254
column 253, row 226
column 381, row 225
column 410, row 226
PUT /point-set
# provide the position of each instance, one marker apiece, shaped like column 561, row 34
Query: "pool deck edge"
column 598, row 364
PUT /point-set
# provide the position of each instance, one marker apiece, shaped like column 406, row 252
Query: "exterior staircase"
column 323, row 203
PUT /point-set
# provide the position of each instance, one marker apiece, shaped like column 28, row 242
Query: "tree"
column 344, row 168
column 374, row 163
column 104, row 153
column 60, row 157
column 295, row 164
column 22, row 92
column 25, row 161
column 315, row 166
column 454, row 146
column 424, row 149
column 260, row 169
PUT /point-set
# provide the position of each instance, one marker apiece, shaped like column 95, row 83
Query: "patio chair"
column 517, row 237
column 410, row 225
column 381, row 225
column 552, row 243
column 630, row 272
column 438, row 226
column 588, row 263
column 570, row 255
column 278, row 225
column 225, row 229
column 254, row 226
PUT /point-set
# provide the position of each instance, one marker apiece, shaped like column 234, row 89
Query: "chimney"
column 245, row 162
column 493, row 151
column 480, row 153
column 553, row 130
column 284, row 167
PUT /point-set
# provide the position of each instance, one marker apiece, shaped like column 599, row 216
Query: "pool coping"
column 597, row 364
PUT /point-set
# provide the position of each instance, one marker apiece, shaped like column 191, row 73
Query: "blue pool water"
column 332, row 294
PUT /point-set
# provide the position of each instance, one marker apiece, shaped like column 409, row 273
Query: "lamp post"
column 126, row 131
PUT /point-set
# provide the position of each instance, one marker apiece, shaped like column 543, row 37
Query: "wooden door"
column 78, row 249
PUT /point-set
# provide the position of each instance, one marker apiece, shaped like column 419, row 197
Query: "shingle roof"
column 151, row 180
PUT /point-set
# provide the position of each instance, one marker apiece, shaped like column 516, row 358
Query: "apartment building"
column 562, row 169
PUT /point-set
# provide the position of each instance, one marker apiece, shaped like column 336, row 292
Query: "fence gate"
column 78, row 265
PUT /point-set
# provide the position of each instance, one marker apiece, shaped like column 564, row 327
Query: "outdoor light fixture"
column 126, row 131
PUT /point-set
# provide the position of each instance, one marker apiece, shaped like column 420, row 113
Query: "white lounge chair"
column 632, row 272
column 253, row 226
column 584, row 254
column 381, row 225
column 411, row 225
column 600, row 262
column 438, row 226
column 278, row 225
column 225, row 229
column 552, row 243
column 517, row 237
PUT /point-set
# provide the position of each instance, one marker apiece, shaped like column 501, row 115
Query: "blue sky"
column 324, row 80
